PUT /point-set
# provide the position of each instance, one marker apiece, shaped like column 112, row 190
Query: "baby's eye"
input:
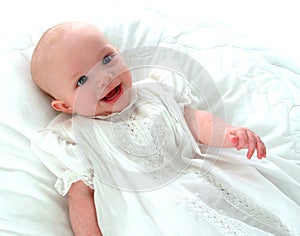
column 82, row 80
column 106, row 59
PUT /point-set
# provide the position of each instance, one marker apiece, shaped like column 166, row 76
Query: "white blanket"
column 249, row 52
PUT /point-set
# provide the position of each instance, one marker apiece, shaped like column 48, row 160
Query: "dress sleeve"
column 61, row 155
column 179, row 87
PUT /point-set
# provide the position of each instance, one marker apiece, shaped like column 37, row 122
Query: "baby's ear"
column 62, row 106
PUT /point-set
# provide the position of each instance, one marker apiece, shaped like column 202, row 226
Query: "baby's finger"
column 252, row 144
column 243, row 139
column 261, row 149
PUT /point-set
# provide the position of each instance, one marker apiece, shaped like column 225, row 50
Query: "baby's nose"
column 104, row 80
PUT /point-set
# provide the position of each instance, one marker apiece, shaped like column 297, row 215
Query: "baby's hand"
column 240, row 138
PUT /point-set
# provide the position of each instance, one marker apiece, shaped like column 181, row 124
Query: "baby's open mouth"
column 113, row 94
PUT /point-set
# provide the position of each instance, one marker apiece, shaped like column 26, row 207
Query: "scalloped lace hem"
column 63, row 184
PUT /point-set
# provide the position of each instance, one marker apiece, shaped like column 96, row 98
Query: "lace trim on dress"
column 225, row 225
column 69, row 177
column 249, row 208
column 144, row 140
column 142, row 137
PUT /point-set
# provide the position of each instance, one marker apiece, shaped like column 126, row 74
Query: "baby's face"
column 89, row 75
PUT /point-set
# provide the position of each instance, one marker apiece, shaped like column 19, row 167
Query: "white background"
column 272, row 23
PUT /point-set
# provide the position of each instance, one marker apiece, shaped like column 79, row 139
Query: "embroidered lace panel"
column 249, row 208
column 144, row 139
column 225, row 225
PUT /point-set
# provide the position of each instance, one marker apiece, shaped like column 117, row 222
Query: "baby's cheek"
column 84, row 104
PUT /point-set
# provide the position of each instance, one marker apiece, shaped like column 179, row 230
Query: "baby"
column 85, row 75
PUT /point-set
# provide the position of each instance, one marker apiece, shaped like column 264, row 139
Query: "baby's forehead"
column 64, row 40
column 50, row 39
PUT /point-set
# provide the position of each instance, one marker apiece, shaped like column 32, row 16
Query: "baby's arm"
column 82, row 210
column 210, row 130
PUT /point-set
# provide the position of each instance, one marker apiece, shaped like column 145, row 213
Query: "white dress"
column 150, row 177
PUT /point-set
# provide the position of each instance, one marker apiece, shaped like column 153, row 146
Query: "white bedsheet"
column 249, row 49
